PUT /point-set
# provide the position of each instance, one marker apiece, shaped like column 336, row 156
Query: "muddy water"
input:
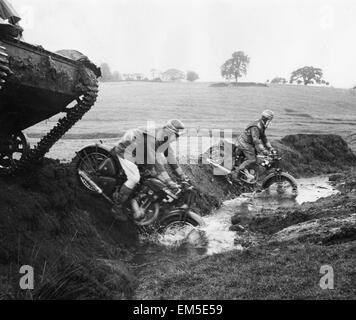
column 214, row 237
column 218, row 224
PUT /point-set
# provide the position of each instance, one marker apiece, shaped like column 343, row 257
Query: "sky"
column 135, row 36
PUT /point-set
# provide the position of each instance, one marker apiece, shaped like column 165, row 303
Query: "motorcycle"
column 266, row 172
column 98, row 171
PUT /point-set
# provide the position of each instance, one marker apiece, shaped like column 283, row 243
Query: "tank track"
column 88, row 92
column 4, row 66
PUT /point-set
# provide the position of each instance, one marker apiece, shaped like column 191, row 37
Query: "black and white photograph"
column 194, row 152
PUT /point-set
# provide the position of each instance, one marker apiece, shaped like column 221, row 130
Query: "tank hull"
column 42, row 84
column 35, row 85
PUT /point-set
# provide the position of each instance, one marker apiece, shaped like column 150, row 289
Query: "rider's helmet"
column 267, row 117
column 174, row 126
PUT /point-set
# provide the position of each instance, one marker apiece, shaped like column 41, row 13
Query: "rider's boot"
column 120, row 197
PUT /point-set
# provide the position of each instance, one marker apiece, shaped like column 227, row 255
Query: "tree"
column 116, row 76
column 279, row 80
column 173, row 75
column 307, row 75
column 235, row 67
column 192, row 76
column 106, row 74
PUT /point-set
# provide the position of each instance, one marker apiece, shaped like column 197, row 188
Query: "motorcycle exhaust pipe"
column 218, row 166
column 96, row 188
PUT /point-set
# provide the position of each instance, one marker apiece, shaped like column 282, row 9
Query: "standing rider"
column 152, row 148
column 253, row 141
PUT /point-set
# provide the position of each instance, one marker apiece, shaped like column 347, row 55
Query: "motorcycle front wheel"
column 280, row 184
column 177, row 227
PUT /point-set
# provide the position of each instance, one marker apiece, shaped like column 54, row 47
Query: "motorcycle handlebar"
column 186, row 185
column 183, row 186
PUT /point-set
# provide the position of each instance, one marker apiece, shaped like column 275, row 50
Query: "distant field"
column 298, row 109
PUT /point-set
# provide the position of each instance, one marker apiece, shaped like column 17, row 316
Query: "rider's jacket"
column 141, row 146
column 255, row 136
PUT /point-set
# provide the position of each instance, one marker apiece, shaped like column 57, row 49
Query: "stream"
column 214, row 236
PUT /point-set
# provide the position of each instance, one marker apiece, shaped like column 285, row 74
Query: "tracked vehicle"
column 35, row 85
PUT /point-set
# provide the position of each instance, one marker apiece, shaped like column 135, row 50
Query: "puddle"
column 312, row 189
column 214, row 237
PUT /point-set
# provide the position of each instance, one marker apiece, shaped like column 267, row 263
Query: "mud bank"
column 66, row 235
column 311, row 155
column 77, row 249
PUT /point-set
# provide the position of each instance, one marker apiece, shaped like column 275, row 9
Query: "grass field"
column 267, row 272
column 298, row 109
column 122, row 106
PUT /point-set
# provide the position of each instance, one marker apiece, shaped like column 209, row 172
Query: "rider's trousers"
column 249, row 152
column 132, row 173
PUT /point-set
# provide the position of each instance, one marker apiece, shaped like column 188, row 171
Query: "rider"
column 253, row 141
column 149, row 147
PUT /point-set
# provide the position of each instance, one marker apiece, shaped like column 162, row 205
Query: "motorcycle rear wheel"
column 89, row 161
